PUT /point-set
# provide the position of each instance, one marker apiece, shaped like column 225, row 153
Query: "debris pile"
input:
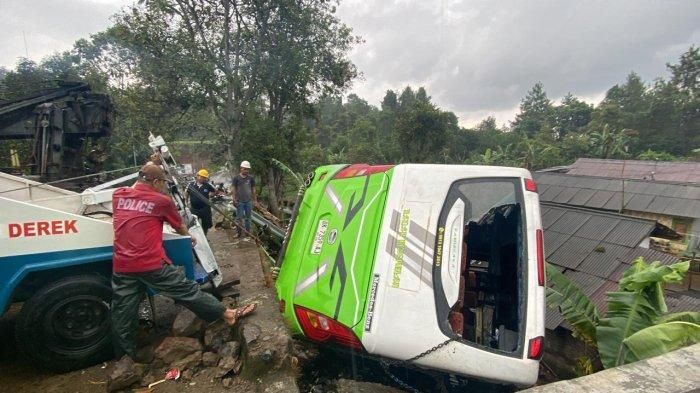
column 210, row 352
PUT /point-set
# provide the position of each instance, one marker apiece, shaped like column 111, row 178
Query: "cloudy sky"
column 476, row 58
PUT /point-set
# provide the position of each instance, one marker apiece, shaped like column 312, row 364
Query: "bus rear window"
column 489, row 309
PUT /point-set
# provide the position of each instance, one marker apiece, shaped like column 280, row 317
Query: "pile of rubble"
column 211, row 352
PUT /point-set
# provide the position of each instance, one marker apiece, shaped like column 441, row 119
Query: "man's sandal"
column 243, row 311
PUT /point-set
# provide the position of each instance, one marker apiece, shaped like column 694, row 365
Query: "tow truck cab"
column 399, row 260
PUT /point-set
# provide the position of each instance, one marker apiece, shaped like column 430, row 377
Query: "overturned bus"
column 440, row 266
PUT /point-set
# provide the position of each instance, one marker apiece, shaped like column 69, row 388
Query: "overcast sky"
column 475, row 58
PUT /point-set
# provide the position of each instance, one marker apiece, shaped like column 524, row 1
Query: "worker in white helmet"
column 244, row 196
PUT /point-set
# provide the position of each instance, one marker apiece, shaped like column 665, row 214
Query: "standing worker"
column 244, row 196
column 139, row 260
column 199, row 191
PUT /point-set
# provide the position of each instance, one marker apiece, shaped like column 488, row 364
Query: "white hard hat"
column 245, row 164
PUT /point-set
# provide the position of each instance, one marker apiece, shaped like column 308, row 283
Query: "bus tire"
column 66, row 326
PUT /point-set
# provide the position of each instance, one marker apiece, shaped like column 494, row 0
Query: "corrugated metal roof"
column 582, row 196
column 597, row 227
column 614, row 203
column 639, row 202
column 604, row 260
column 554, row 240
column 629, row 233
column 551, row 192
column 593, row 248
column 649, row 256
column 688, row 172
column 600, row 199
column 552, row 318
column 570, row 222
column 572, row 235
column 617, row 274
column 599, row 297
column 682, row 301
column 674, row 199
column 573, row 252
column 566, row 195
column 549, row 216
column 587, row 283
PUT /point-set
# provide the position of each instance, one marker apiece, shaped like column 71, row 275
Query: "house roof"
column 688, row 172
column 672, row 199
column 590, row 241
column 594, row 248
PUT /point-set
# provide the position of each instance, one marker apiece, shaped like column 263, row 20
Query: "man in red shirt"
column 139, row 260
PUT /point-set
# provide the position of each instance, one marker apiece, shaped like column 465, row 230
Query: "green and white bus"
column 439, row 265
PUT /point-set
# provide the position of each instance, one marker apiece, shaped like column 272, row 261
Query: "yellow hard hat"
column 203, row 173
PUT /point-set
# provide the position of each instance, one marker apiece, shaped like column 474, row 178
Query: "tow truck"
column 55, row 262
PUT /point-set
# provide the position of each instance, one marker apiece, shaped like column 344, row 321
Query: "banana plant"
column 636, row 325
column 573, row 305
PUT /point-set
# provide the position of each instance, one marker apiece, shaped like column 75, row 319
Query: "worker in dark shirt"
column 244, row 196
column 139, row 261
column 199, row 192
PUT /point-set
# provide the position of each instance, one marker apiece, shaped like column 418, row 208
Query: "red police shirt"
column 138, row 216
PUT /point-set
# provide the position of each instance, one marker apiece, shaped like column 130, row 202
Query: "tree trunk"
column 273, row 206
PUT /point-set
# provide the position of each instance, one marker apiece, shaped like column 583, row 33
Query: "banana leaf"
column 640, row 274
column 297, row 177
column 573, row 305
column 650, row 279
column 628, row 313
column 659, row 339
column 684, row 316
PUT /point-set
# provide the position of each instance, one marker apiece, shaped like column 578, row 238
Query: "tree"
column 636, row 325
column 685, row 76
column 237, row 57
column 422, row 130
column 609, row 143
column 535, row 111
column 390, row 102
column 573, row 115
column 27, row 77
column 407, row 99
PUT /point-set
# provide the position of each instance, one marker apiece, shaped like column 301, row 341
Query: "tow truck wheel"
column 65, row 326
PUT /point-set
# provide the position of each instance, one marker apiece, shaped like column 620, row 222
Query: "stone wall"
column 675, row 372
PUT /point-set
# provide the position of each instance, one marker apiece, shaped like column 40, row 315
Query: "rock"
column 229, row 355
column 237, row 367
column 191, row 361
column 176, row 348
column 251, row 332
column 187, row 324
column 210, row 359
column 123, row 375
column 140, row 369
column 149, row 378
column 208, row 374
column 351, row 386
column 232, row 349
column 226, row 364
column 187, row 374
column 217, row 334
column 145, row 354
column 227, row 382
column 266, row 355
